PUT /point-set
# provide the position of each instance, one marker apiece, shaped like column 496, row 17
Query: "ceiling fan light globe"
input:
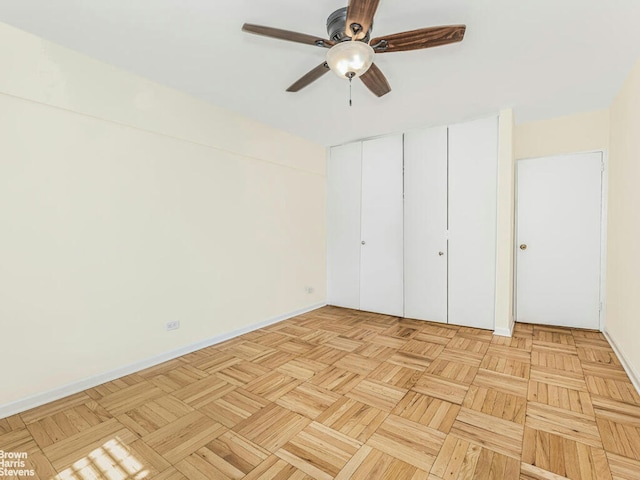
column 350, row 59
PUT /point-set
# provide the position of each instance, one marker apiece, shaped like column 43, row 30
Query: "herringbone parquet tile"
column 341, row 394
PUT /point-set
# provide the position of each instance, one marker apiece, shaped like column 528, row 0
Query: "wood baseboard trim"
column 39, row 399
column 506, row 332
column 633, row 374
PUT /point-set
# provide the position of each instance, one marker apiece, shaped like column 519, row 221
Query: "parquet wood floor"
column 341, row 394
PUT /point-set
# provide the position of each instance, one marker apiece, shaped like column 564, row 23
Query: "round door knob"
column 362, row 242
column 440, row 254
column 523, row 246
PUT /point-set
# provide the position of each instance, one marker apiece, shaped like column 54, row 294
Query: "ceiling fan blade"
column 360, row 17
column 310, row 77
column 421, row 38
column 375, row 81
column 287, row 35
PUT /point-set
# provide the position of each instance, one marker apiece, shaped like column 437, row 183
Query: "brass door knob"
column 523, row 246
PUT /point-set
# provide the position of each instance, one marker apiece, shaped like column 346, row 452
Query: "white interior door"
column 473, row 160
column 559, row 221
column 381, row 279
column 425, row 224
column 343, row 225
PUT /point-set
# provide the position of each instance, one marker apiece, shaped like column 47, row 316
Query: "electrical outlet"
column 173, row 325
column 309, row 289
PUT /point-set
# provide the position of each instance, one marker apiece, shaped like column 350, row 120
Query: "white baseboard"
column 75, row 387
column 506, row 332
column 633, row 374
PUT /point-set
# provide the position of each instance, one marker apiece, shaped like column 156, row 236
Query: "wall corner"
column 505, row 224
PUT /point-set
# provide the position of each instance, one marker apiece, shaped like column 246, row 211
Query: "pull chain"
column 350, row 76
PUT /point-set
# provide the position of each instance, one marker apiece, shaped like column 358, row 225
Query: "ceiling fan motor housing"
column 336, row 27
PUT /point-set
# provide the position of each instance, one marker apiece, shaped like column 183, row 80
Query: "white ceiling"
column 544, row 58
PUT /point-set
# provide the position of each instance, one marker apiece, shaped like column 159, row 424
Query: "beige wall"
column 125, row 205
column 623, row 255
column 582, row 132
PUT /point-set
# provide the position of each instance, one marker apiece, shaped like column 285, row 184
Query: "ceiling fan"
column 351, row 49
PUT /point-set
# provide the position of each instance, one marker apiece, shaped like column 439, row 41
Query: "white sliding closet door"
column 381, row 279
column 473, row 154
column 343, row 225
column 425, row 224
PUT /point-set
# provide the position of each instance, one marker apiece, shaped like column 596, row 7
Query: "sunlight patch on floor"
column 113, row 461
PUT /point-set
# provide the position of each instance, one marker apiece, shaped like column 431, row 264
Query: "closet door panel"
column 473, row 153
column 425, row 224
column 381, row 264
column 343, row 225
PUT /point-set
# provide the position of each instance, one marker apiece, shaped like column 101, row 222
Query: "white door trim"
column 603, row 238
